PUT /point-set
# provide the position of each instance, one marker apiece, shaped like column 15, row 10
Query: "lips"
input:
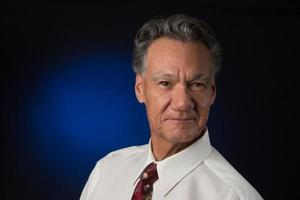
column 180, row 119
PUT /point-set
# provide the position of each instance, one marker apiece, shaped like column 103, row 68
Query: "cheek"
column 204, row 101
column 203, row 108
column 157, row 104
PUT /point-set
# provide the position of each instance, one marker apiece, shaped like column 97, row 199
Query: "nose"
column 182, row 100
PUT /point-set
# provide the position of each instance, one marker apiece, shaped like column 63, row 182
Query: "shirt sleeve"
column 92, row 181
column 232, row 194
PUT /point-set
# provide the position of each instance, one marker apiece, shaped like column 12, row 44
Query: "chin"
column 180, row 136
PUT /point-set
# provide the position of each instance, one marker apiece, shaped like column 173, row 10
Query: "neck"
column 162, row 148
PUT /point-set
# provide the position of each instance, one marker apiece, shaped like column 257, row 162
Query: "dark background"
column 67, row 94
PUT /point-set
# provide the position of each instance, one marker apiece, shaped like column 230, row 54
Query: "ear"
column 214, row 91
column 139, row 88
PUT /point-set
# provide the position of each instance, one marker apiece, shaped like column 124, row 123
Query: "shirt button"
column 146, row 187
column 144, row 176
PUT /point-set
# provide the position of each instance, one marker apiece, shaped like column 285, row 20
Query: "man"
column 175, row 60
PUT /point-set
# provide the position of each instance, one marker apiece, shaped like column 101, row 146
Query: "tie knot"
column 149, row 174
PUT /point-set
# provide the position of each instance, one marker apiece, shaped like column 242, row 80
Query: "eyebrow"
column 199, row 77
column 158, row 76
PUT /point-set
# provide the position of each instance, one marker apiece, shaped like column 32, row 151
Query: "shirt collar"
column 174, row 168
column 185, row 160
column 149, row 159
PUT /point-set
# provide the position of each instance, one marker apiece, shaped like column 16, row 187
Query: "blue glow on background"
column 81, row 111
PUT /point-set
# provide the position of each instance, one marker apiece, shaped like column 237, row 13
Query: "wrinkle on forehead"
column 171, row 57
column 176, row 77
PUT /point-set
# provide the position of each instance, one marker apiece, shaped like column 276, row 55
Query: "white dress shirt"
column 198, row 172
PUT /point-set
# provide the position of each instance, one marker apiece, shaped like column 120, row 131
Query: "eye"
column 197, row 85
column 164, row 83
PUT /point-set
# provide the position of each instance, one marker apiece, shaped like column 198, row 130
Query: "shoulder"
column 228, row 175
column 124, row 155
column 128, row 151
column 112, row 166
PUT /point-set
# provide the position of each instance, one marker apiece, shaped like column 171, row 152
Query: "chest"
column 119, row 185
column 193, row 188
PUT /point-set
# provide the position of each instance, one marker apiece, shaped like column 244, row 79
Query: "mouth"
column 180, row 119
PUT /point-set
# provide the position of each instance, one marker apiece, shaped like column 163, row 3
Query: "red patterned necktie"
column 144, row 188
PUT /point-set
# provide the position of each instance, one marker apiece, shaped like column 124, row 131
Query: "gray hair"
column 178, row 27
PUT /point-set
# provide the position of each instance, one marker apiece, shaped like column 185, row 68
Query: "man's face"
column 177, row 88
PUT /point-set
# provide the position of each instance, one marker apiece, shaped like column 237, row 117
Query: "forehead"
column 165, row 54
